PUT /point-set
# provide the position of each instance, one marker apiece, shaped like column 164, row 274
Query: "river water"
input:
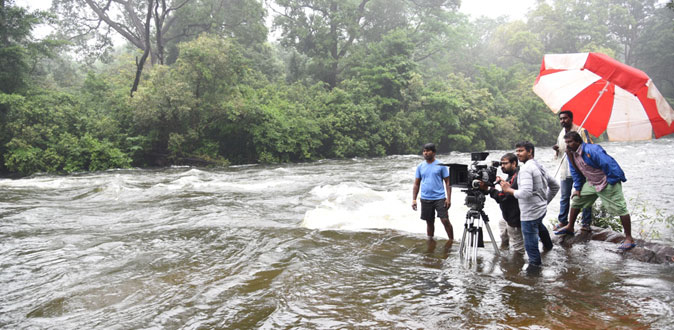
column 331, row 244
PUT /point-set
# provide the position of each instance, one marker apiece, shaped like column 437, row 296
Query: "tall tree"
column 628, row 19
column 17, row 47
column 653, row 50
column 432, row 25
column 324, row 30
column 18, row 51
column 151, row 25
column 570, row 26
column 328, row 32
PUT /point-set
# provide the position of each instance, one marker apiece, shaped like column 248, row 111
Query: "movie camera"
column 470, row 177
column 463, row 176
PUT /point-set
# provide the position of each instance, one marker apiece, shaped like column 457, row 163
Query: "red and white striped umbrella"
column 604, row 95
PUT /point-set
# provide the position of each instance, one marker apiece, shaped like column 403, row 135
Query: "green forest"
column 145, row 83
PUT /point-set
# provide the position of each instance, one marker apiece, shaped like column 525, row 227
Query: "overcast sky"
column 475, row 8
column 490, row 8
column 495, row 8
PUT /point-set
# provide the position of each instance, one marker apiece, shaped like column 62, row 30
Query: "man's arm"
column 498, row 196
column 415, row 192
column 578, row 178
column 448, row 187
column 553, row 187
column 560, row 142
column 526, row 185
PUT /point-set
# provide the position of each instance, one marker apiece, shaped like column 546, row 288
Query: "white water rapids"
column 328, row 244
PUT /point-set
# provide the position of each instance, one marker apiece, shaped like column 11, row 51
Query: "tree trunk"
column 148, row 49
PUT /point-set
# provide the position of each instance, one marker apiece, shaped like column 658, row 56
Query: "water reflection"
column 446, row 247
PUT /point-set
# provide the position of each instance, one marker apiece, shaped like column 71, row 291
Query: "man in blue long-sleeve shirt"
column 596, row 175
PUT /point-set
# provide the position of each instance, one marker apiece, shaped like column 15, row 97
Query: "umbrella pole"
column 601, row 92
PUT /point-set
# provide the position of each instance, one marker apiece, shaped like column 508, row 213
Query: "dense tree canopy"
column 345, row 78
column 155, row 27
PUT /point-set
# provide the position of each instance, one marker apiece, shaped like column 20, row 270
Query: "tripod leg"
column 470, row 242
column 493, row 242
column 476, row 238
column 463, row 239
column 486, row 224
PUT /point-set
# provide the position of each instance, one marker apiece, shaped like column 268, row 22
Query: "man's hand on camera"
column 505, row 186
column 414, row 205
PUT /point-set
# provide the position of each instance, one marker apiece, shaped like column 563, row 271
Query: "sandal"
column 564, row 232
column 626, row 246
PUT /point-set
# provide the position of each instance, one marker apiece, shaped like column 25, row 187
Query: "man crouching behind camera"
column 511, row 231
column 536, row 188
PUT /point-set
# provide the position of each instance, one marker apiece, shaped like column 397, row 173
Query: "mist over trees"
column 199, row 82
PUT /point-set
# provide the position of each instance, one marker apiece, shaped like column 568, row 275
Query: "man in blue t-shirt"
column 430, row 176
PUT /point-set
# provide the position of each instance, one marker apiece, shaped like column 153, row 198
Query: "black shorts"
column 430, row 207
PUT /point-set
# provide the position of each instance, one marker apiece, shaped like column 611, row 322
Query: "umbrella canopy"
column 604, row 95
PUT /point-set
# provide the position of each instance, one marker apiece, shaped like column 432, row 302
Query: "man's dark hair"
column 430, row 146
column 574, row 136
column 567, row 112
column 528, row 146
column 510, row 157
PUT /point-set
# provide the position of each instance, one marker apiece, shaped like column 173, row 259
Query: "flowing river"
column 331, row 244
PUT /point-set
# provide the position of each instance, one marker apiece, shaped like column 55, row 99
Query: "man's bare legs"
column 448, row 228
column 430, row 228
column 625, row 220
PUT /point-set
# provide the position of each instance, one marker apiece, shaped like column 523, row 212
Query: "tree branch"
column 102, row 15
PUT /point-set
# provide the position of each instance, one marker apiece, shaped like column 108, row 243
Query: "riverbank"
column 645, row 251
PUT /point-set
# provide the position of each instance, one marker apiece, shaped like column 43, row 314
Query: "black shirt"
column 508, row 203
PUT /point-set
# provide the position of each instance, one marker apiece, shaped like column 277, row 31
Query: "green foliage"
column 651, row 219
column 17, row 48
column 602, row 217
column 239, row 19
column 203, row 93
column 288, row 129
column 347, row 79
column 654, row 49
column 48, row 133
column 569, row 26
column 329, row 33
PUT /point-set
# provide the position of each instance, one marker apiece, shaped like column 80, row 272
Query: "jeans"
column 530, row 232
column 566, row 186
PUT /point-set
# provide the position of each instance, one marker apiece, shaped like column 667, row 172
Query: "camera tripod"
column 473, row 229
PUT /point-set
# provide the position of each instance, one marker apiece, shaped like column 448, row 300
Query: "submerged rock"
column 644, row 251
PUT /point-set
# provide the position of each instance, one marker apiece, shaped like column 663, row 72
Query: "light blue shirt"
column 431, row 176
